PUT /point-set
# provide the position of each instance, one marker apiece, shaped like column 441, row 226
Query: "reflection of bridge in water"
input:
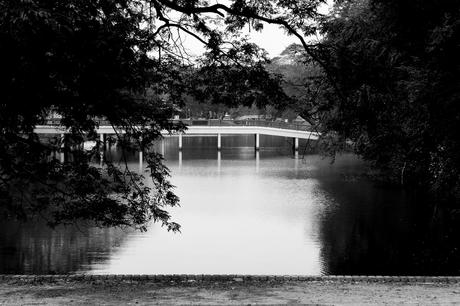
column 211, row 128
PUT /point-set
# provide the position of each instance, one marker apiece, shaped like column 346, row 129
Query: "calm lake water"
column 248, row 213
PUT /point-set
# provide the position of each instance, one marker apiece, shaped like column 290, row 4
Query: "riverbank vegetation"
column 396, row 94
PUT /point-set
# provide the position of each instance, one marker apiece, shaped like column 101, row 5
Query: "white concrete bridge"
column 216, row 128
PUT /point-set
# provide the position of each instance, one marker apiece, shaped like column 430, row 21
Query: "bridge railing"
column 218, row 122
column 263, row 123
column 277, row 124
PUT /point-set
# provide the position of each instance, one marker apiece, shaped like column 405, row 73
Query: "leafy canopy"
column 396, row 72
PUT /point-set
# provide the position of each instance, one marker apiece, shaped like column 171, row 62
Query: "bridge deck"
column 202, row 130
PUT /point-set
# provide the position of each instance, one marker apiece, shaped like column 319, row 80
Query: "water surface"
column 248, row 213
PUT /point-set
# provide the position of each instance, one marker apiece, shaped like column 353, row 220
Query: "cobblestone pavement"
column 226, row 289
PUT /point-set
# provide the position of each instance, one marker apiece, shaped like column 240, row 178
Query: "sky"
column 273, row 39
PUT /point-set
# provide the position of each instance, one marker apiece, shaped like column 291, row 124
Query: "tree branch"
column 217, row 8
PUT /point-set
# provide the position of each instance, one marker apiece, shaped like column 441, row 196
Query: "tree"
column 121, row 61
column 83, row 60
column 298, row 71
column 396, row 72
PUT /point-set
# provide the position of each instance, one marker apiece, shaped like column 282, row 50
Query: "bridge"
column 211, row 127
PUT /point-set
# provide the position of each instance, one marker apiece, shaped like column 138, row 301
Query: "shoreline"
column 160, row 278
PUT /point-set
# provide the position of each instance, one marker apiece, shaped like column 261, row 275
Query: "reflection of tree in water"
column 376, row 231
column 35, row 248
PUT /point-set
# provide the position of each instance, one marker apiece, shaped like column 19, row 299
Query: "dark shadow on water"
column 380, row 231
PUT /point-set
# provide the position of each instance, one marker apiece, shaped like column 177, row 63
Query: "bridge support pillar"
column 141, row 161
column 102, row 138
column 180, row 141
column 219, row 161
column 257, row 142
column 62, row 154
column 219, row 141
column 62, row 141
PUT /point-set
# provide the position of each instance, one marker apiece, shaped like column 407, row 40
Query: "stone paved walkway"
column 226, row 290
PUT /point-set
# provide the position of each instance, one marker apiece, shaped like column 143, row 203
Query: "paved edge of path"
column 188, row 279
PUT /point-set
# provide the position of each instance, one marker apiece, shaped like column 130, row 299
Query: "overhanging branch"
column 246, row 13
